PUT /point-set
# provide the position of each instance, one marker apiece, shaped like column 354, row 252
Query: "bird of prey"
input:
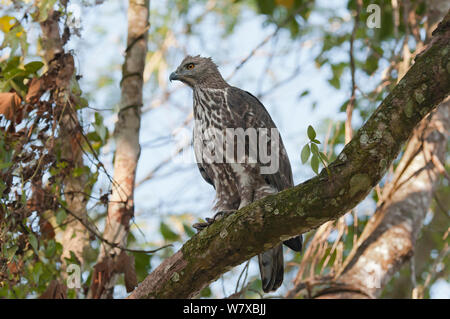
column 219, row 107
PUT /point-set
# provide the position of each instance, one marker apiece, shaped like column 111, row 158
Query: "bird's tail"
column 271, row 266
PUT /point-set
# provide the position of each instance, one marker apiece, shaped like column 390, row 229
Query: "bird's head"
column 197, row 71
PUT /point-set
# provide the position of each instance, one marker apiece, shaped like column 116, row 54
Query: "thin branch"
column 264, row 41
column 111, row 244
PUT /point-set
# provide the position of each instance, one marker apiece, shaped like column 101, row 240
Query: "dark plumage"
column 218, row 106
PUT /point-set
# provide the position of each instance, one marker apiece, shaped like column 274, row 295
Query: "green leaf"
column 82, row 103
column 335, row 82
column 61, row 215
column 371, row 64
column 23, row 198
column 101, row 129
column 34, row 66
column 12, row 251
column 311, row 133
column 5, row 165
column 73, row 259
column 44, row 7
column 305, row 153
column 323, row 157
column 337, row 70
column 320, row 61
column 266, row 6
column 304, row 93
column 13, row 64
column 2, row 188
column 37, row 271
column 343, row 106
column 316, row 141
column 315, row 164
column 314, row 149
column 51, row 249
column 142, row 265
column 93, row 137
column 188, row 230
column 33, row 242
column 206, row 292
column 58, row 249
column 168, row 233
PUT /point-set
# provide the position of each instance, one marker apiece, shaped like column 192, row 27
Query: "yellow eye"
column 190, row 66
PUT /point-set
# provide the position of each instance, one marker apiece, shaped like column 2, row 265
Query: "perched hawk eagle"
column 239, row 179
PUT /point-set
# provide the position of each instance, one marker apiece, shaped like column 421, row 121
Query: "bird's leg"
column 200, row 226
column 221, row 214
column 218, row 216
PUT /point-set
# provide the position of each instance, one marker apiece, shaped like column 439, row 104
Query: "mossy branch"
column 359, row 167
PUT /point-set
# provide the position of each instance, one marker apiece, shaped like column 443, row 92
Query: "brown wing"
column 248, row 112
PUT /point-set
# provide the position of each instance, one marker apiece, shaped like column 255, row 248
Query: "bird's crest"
column 198, row 59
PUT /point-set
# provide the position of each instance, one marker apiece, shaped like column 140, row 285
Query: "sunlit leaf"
column 168, row 233
column 311, row 133
column 33, row 241
column 314, row 149
column 34, row 66
column 305, row 153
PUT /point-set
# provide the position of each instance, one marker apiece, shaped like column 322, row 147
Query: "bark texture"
column 121, row 203
column 75, row 237
column 359, row 167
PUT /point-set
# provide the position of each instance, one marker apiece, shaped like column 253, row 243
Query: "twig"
column 113, row 245
column 263, row 42
column 351, row 103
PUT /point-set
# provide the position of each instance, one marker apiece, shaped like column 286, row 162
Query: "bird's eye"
column 190, row 66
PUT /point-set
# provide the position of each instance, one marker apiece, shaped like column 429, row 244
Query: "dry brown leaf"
column 9, row 104
column 47, row 230
column 35, row 89
column 15, row 267
column 125, row 265
column 102, row 272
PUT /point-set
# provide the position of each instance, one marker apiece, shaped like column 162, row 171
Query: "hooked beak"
column 173, row 76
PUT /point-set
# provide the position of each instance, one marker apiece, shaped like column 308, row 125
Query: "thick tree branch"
column 359, row 167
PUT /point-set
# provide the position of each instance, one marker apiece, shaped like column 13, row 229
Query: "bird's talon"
column 223, row 213
column 210, row 221
column 200, row 226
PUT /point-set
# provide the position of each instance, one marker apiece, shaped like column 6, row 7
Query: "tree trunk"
column 121, row 203
column 75, row 237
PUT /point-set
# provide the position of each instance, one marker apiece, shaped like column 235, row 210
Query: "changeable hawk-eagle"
column 220, row 109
